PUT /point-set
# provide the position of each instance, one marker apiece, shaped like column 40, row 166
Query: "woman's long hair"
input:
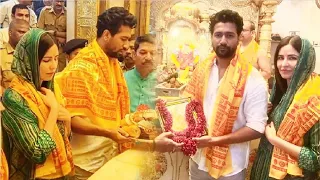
column 283, row 93
column 281, row 84
column 45, row 43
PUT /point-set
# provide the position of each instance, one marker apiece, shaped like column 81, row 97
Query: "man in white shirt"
column 234, row 97
column 6, row 8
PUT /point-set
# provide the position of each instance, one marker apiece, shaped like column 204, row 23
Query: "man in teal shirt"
column 141, row 80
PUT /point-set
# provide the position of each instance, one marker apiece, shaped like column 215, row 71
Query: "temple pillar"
column 267, row 10
column 143, row 17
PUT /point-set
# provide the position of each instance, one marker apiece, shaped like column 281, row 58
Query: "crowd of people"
column 63, row 102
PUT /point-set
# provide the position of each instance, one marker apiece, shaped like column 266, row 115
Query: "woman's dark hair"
column 225, row 16
column 45, row 43
column 281, row 84
column 113, row 18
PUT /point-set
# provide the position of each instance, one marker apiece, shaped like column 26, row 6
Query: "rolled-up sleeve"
column 309, row 157
column 256, row 103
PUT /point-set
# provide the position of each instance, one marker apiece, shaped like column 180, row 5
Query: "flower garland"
column 196, row 128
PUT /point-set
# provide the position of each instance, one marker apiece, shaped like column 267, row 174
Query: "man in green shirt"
column 141, row 80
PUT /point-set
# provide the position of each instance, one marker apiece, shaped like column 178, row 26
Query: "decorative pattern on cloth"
column 4, row 171
column 218, row 158
column 94, row 87
column 133, row 165
column 301, row 75
column 59, row 163
column 301, row 116
column 27, row 84
column 309, row 156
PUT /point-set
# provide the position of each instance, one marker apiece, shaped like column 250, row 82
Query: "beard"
column 128, row 59
column 224, row 51
column 125, row 58
column 117, row 55
column 120, row 57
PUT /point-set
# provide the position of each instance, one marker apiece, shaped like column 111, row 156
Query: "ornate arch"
column 197, row 12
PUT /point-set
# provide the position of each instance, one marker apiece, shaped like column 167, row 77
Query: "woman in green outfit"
column 34, row 118
column 290, row 148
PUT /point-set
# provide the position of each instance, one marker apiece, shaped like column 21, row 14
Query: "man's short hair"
column 226, row 16
column 252, row 25
column 74, row 44
column 142, row 39
column 15, row 22
column 113, row 18
column 18, row 6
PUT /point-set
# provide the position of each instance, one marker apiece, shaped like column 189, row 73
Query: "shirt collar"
column 124, row 67
column 215, row 62
column 137, row 74
column 52, row 11
column 9, row 48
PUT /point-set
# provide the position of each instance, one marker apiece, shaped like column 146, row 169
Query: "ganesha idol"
column 185, row 57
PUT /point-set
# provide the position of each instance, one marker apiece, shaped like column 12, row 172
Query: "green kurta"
column 309, row 157
column 141, row 90
column 28, row 144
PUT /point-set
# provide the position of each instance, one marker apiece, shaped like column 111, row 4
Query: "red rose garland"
column 195, row 128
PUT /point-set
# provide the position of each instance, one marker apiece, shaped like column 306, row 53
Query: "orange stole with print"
column 302, row 114
column 225, row 110
column 59, row 163
column 94, row 87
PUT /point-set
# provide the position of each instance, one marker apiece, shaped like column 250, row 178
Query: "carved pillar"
column 126, row 5
column 266, row 12
column 113, row 3
column 86, row 18
column 143, row 17
column 71, row 20
column 103, row 6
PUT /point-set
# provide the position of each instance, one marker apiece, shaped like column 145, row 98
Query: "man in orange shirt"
column 249, row 49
